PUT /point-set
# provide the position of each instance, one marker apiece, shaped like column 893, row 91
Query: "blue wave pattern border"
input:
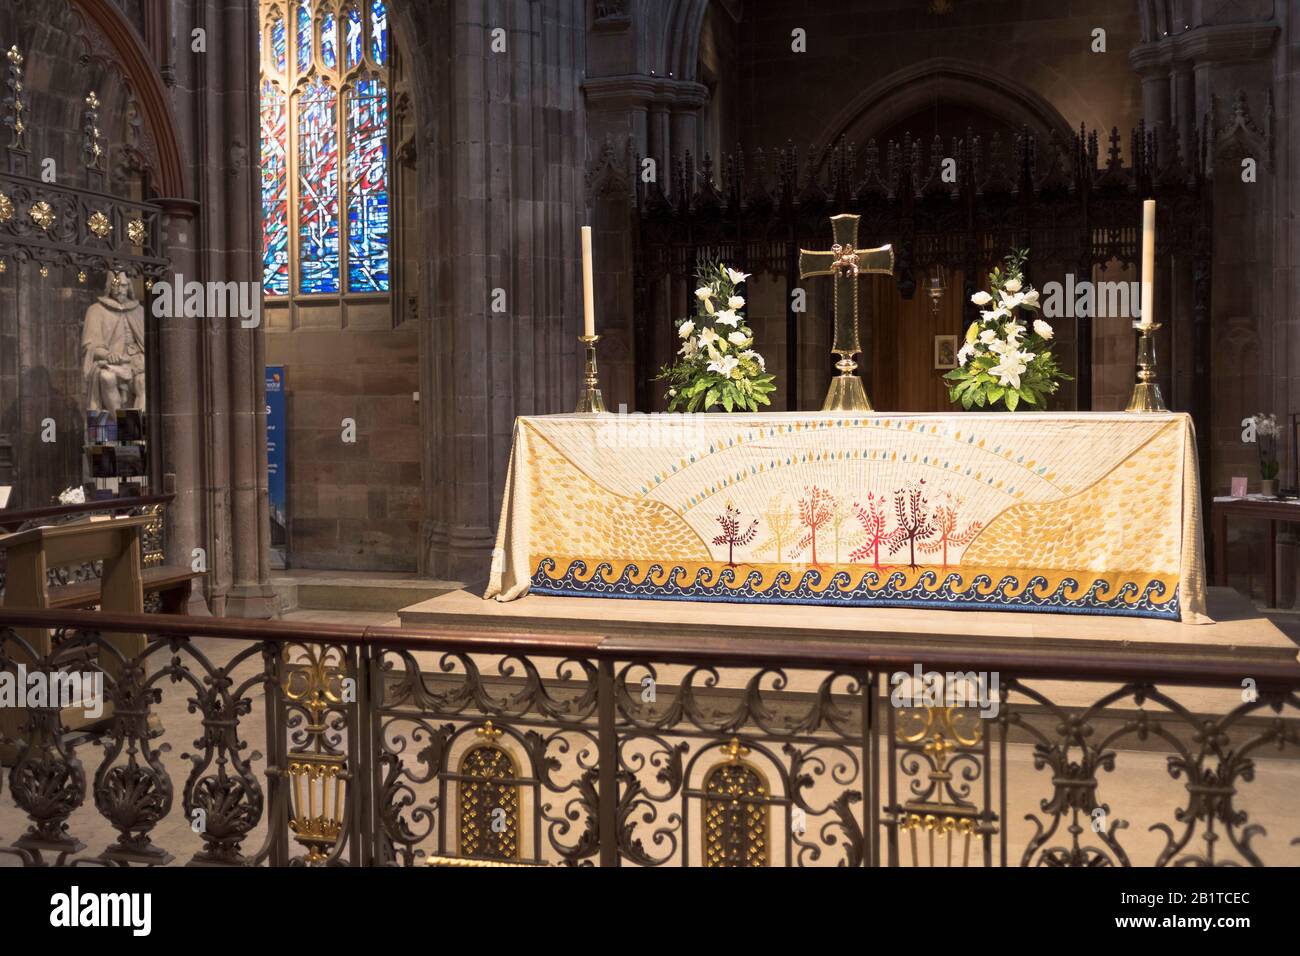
column 1131, row 601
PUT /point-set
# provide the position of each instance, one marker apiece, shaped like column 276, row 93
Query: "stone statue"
column 112, row 348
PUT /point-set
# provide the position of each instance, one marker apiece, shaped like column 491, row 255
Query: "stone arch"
column 681, row 37
column 950, row 80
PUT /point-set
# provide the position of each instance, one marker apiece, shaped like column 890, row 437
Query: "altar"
column 1044, row 512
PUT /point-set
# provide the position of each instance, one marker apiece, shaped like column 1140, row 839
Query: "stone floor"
column 1140, row 789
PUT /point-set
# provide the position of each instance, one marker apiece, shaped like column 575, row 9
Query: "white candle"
column 1148, row 261
column 588, row 286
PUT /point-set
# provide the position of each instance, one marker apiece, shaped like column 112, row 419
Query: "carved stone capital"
column 1203, row 45
column 635, row 91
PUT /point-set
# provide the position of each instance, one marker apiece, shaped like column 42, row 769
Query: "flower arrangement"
column 717, row 364
column 1004, row 359
column 1267, row 431
column 73, row 495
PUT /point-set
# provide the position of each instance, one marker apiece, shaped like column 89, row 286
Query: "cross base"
column 846, row 393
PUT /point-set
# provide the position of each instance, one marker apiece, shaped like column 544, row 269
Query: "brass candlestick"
column 590, row 400
column 1146, row 393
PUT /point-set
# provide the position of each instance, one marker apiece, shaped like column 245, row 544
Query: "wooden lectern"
column 31, row 553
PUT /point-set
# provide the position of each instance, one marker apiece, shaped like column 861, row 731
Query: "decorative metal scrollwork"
column 385, row 755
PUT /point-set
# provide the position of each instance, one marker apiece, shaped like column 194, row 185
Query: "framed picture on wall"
column 945, row 352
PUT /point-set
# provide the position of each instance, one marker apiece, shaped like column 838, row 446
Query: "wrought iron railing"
column 231, row 742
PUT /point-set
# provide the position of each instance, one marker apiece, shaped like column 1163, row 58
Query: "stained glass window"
column 328, row 42
column 367, row 126
column 275, row 191
column 279, row 43
column 379, row 31
column 353, row 41
column 318, row 189
column 325, row 150
column 303, row 37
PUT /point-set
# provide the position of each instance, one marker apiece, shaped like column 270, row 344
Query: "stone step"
column 354, row 590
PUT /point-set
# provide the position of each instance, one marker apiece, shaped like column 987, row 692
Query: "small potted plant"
column 1267, row 431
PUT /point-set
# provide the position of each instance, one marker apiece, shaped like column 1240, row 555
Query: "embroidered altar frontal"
column 1085, row 513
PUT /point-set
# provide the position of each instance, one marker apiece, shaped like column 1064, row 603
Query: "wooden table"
column 1271, row 510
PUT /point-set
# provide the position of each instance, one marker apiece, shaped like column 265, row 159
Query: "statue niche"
column 112, row 348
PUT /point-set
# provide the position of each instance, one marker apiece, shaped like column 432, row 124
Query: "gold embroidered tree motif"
column 816, row 509
column 944, row 518
column 731, row 534
column 910, row 508
column 843, row 512
column 779, row 520
column 872, row 518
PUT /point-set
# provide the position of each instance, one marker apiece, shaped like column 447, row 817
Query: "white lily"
column 1011, row 301
column 992, row 315
column 1031, row 297
column 1009, row 370
column 727, row 317
column 708, row 337
column 725, row 365
column 737, row 277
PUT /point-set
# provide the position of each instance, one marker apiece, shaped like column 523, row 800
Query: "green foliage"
column 717, row 365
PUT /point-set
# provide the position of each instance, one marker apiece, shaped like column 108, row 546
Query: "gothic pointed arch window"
column 329, row 69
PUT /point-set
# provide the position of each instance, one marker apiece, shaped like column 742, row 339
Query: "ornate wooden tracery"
column 1060, row 199
column 97, row 215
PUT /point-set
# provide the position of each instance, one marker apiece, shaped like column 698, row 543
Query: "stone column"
column 214, row 427
column 181, row 412
column 505, row 173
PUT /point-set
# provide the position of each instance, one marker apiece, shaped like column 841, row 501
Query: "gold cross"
column 847, row 263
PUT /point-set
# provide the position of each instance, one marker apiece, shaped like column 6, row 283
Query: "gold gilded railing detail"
column 736, row 811
column 937, row 735
column 489, row 799
column 316, row 772
column 318, row 791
